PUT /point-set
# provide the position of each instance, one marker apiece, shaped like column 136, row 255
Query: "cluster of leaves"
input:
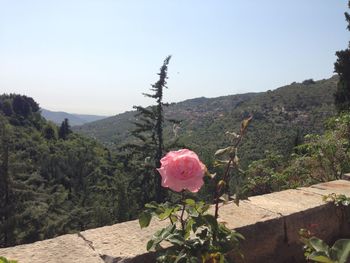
column 227, row 161
column 194, row 235
column 320, row 158
column 337, row 199
column 266, row 175
column 50, row 185
column 317, row 250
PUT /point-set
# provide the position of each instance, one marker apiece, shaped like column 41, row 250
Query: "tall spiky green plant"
column 342, row 68
column 148, row 147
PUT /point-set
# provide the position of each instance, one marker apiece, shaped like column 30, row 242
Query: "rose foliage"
column 194, row 234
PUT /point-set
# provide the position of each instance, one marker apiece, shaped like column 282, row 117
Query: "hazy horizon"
column 98, row 57
column 169, row 101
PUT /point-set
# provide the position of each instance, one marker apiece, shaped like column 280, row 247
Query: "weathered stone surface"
column 341, row 213
column 337, row 187
column 277, row 240
column 122, row 240
column 287, row 202
column 270, row 224
column 125, row 240
column 261, row 239
column 67, row 248
column 245, row 214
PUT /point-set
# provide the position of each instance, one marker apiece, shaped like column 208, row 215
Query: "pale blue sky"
column 98, row 56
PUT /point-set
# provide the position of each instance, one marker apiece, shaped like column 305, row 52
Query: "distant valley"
column 74, row 119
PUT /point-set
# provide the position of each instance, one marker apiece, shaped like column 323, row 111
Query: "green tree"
column 5, row 209
column 50, row 187
column 23, row 105
column 50, row 131
column 342, row 68
column 6, row 107
column 149, row 146
column 23, row 197
column 64, row 130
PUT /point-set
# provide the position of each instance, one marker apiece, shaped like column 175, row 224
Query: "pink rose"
column 181, row 170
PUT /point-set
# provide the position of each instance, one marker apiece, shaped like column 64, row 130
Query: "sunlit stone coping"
column 270, row 224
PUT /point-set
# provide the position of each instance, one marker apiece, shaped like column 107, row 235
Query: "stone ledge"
column 66, row 248
column 270, row 224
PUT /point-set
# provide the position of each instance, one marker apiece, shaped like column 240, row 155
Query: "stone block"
column 287, row 202
column 66, row 248
column 337, row 187
column 122, row 241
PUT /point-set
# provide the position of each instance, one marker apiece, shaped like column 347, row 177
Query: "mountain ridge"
column 74, row 118
column 281, row 117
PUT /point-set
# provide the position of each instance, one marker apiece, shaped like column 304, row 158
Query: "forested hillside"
column 55, row 181
column 52, row 181
column 281, row 118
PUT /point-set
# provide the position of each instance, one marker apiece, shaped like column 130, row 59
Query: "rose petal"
column 182, row 170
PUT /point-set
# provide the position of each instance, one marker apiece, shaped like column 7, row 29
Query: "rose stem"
column 218, row 189
column 225, row 177
column 183, row 211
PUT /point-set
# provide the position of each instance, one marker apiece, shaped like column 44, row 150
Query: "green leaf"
column 145, row 219
column 204, row 208
column 180, row 256
column 175, row 239
column 188, row 228
column 166, row 213
column 152, row 205
column 320, row 256
column 190, row 202
column 341, row 250
column 159, row 236
column 319, row 245
column 165, row 232
column 211, row 220
column 238, row 235
column 201, row 207
column 192, row 212
column 150, row 244
column 173, row 218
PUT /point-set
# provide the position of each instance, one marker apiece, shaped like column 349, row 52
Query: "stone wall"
column 270, row 224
